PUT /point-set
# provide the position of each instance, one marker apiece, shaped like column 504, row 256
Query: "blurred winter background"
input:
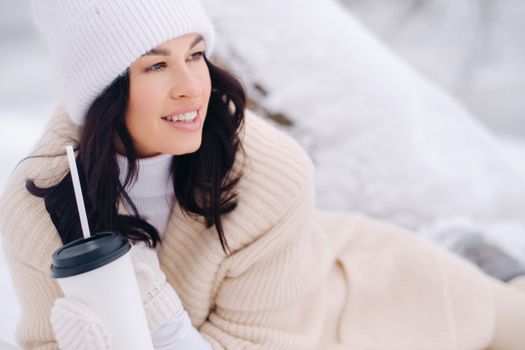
column 385, row 137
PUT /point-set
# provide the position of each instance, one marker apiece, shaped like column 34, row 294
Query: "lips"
column 184, row 117
column 191, row 126
column 183, row 110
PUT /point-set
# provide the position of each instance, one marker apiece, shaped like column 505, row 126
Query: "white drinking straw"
column 78, row 191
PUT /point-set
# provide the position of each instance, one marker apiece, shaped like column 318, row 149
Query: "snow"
column 385, row 139
column 473, row 48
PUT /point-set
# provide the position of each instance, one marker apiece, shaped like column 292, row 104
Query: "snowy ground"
column 27, row 97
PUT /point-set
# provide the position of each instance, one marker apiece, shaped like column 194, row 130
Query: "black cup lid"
column 86, row 254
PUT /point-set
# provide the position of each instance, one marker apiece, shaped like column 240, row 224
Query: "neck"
column 153, row 178
column 152, row 191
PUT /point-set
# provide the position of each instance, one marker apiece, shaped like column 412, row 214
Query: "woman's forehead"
column 184, row 42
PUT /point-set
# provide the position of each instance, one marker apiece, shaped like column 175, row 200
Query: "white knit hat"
column 92, row 42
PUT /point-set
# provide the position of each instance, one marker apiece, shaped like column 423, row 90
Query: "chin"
column 186, row 149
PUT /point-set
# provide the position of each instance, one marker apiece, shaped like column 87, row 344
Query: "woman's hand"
column 77, row 327
column 150, row 278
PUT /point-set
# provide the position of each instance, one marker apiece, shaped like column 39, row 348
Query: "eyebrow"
column 166, row 52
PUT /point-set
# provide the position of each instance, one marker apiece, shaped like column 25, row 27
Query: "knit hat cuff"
column 93, row 44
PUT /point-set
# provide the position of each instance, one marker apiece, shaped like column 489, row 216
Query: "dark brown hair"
column 203, row 180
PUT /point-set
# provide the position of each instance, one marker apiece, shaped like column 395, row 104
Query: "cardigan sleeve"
column 273, row 293
column 36, row 292
column 277, row 300
column 28, row 240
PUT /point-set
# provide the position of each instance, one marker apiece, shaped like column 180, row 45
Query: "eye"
column 197, row 56
column 156, row 67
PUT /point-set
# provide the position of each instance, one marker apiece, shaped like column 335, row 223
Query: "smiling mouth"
column 185, row 122
column 187, row 117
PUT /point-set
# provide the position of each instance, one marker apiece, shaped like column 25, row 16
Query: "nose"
column 186, row 83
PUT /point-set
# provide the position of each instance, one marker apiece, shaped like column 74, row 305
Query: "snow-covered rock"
column 385, row 140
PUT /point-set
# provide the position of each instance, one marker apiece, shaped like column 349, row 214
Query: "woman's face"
column 170, row 88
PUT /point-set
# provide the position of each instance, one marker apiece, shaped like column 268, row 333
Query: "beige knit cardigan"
column 298, row 278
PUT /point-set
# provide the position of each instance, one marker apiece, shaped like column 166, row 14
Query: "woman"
column 170, row 157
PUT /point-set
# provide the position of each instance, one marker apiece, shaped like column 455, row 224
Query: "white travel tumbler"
column 98, row 271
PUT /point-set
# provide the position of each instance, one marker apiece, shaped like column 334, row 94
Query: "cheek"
column 142, row 103
column 205, row 79
column 139, row 95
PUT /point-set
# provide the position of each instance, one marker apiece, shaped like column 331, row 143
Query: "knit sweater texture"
column 297, row 278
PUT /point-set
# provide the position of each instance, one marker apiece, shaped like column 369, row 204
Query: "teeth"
column 184, row 117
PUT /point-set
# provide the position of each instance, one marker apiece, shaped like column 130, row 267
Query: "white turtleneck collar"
column 152, row 192
column 153, row 177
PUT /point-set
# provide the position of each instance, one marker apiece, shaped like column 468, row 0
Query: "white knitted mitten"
column 160, row 300
column 77, row 327
column 150, row 277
